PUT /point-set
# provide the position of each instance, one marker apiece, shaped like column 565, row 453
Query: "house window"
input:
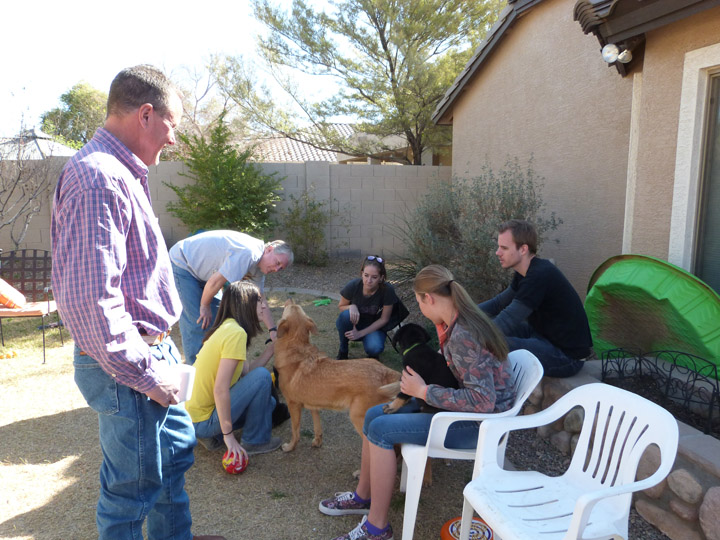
column 707, row 247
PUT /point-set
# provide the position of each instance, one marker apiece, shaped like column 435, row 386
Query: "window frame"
column 700, row 66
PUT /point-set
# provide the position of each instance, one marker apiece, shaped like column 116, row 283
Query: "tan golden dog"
column 309, row 379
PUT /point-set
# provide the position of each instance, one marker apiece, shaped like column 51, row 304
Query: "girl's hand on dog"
column 412, row 384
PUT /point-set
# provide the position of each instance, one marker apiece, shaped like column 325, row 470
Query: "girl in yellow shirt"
column 229, row 392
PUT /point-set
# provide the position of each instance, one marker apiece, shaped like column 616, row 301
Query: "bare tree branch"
column 26, row 182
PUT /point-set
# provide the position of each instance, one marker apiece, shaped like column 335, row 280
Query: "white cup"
column 187, row 377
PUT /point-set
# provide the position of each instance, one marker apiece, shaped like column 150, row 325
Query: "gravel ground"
column 329, row 279
column 525, row 449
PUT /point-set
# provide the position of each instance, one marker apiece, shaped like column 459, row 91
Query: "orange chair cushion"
column 10, row 296
column 30, row 309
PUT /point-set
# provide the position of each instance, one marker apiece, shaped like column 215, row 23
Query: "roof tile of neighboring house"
column 32, row 144
column 285, row 149
column 289, row 150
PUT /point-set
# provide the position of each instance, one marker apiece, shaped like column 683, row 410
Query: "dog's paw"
column 389, row 409
column 394, row 405
column 288, row 447
column 317, row 442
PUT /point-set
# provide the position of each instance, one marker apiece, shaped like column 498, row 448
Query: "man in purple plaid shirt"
column 114, row 289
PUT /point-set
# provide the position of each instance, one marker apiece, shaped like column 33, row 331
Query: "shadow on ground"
column 66, row 441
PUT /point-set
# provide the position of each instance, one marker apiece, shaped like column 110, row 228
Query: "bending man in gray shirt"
column 201, row 265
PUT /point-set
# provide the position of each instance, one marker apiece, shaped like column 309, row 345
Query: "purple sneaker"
column 361, row 533
column 343, row 504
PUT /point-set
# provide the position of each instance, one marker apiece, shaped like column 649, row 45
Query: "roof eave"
column 627, row 27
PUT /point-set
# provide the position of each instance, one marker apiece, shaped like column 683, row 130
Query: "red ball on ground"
column 236, row 463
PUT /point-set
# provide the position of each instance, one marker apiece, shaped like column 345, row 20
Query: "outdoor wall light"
column 625, row 56
column 611, row 53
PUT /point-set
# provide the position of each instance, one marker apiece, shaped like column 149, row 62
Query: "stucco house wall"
column 545, row 92
column 659, row 88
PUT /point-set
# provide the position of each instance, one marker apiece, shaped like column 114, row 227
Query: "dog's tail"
column 390, row 390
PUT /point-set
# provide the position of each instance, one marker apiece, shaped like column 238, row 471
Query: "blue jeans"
column 554, row 361
column 147, row 448
column 374, row 342
column 408, row 425
column 190, row 290
column 251, row 407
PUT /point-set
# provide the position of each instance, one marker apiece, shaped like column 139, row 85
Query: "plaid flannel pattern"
column 111, row 270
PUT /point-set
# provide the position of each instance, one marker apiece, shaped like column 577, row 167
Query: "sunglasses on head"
column 374, row 258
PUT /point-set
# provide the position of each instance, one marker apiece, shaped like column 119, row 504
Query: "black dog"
column 411, row 341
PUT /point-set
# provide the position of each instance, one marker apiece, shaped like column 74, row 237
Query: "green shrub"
column 304, row 225
column 228, row 191
column 456, row 225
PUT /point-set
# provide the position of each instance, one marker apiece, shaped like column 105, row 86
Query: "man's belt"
column 150, row 340
column 154, row 340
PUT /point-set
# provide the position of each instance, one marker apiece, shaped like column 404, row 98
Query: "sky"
column 49, row 46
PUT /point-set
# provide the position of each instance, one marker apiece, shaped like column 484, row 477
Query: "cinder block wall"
column 369, row 199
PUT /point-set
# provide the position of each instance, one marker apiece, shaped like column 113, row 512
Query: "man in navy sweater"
column 540, row 310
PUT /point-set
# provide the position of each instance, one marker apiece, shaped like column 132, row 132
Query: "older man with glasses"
column 204, row 262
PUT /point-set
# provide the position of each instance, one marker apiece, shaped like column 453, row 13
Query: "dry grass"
column 50, row 456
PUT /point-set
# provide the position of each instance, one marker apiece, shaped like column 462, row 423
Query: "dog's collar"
column 410, row 348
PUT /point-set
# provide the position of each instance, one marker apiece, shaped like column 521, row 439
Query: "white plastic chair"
column 591, row 500
column 527, row 372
